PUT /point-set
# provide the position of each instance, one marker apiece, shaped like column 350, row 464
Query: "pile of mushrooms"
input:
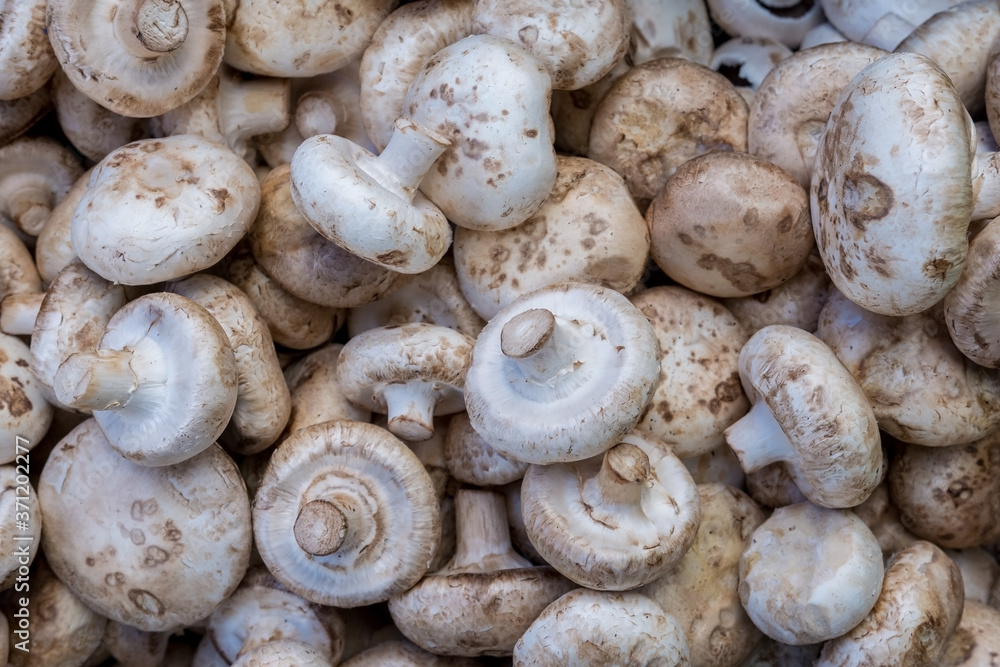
column 522, row 332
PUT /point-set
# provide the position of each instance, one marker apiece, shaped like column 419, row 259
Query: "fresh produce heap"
column 499, row 332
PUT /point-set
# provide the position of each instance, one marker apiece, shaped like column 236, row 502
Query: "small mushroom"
column 194, row 200
column 786, row 21
column 94, row 130
column 263, row 403
column 25, row 415
column 746, row 61
column 616, row 521
column 162, row 382
column 472, row 460
column 26, row 58
column 315, row 392
column 35, row 173
column 154, row 548
column 346, row 514
column 809, row 412
column 591, row 628
column 486, row 597
column 138, row 57
column 370, row 205
column 810, row 574
column 409, row 372
column 561, row 373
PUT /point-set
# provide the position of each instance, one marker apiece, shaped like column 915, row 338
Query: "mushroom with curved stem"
column 591, row 628
column 746, row 61
column 346, row 515
column 263, row 402
column 409, row 372
column 561, row 373
column 810, row 573
column 587, row 230
column 151, row 56
column 301, row 260
column 261, row 610
column 613, row 522
column 293, row 322
column 371, row 205
column 661, row 114
column 25, row 415
column 809, row 412
column 17, row 116
column 160, row 552
column 315, row 393
column 486, row 597
column 26, row 57
column 35, row 174
column 786, row 21
column 195, row 197
column 499, row 167
column 162, row 382
column 18, row 499
column 72, row 317
column 701, row 590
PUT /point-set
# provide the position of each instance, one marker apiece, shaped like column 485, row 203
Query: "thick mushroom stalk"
column 108, row 379
column 544, row 348
column 761, row 440
column 149, row 28
column 320, row 528
column 624, row 473
column 370, row 205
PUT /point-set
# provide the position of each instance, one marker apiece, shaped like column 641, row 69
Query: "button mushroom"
column 315, row 393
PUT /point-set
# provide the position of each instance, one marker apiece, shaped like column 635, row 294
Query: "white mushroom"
column 25, row 415
column 94, row 130
column 26, row 58
column 35, row 173
column 786, row 21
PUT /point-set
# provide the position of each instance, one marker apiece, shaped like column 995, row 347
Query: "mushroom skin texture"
column 25, row 415
column 975, row 641
column 915, row 615
column 18, row 273
column 472, row 460
column 561, row 373
column 35, row 173
column 577, row 43
column 588, row 230
column 971, row 306
column 138, row 58
column 747, row 60
column 162, row 382
column 197, row 198
column 409, row 372
column 346, row 515
column 702, row 589
column 315, row 393
column 729, row 224
column 93, row 129
column 591, row 628
column 485, row 598
column 18, row 500
column 809, row 412
column 905, row 366
column 660, row 114
column 886, row 246
column 125, row 537
column 300, row 40
column 616, row 521
column 855, row 18
column 403, row 653
column 20, row 114
column 283, row 653
column 54, row 244
column 26, row 57
column 980, row 572
column 810, row 574
column 500, row 165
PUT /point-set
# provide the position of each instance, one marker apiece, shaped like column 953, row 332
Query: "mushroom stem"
column 757, row 439
column 320, row 528
column 482, row 534
column 29, row 197
column 18, row 313
column 624, row 472
column 151, row 28
column 248, row 107
column 986, row 186
column 318, row 112
column 542, row 345
column 107, row 379
column 410, row 153
column 410, row 408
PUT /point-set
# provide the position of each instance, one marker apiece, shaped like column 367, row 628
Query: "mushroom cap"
column 980, row 571
column 976, row 640
column 301, row 40
column 301, row 260
column 195, row 199
column 358, row 203
column 591, row 628
column 836, row 457
column 588, row 230
column 889, row 244
column 154, row 548
column 701, row 591
column 660, row 114
column 810, row 574
column 403, row 653
column 794, row 101
column 730, row 224
column 678, row 29
column 22, row 533
column 126, row 77
column 747, row 60
column 608, row 543
column 283, row 653
column 923, row 390
column 316, row 394
column 615, row 366
column 25, row 53
column 698, row 393
column 970, row 306
column 883, row 517
column 18, row 274
column 577, row 43
column 854, row 18
column 35, row 173
column 375, row 476
column 472, row 460
column 181, row 391
column 501, row 164
column 54, row 244
column 18, row 115
column 915, row 615
column 949, row 495
column 786, row 21
column 25, row 415
column 773, row 486
column 94, row 130
column 263, row 402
